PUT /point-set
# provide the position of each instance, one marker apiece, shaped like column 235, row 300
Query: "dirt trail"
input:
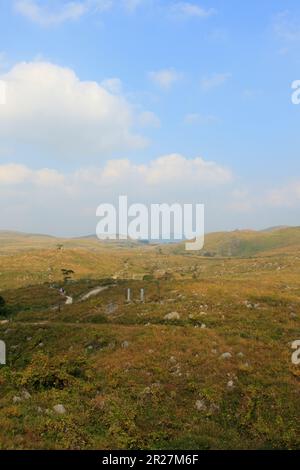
column 92, row 293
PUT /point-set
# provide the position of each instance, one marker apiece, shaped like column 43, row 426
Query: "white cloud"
column 148, row 119
column 165, row 78
column 132, row 5
column 241, row 201
column 16, row 174
column 170, row 169
column 13, row 174
column 189, row 10
column 214, row 81
column 48, row 13
column 113, row 85
column 278, row 198
column 3, row 60
column 50, row 109
column 200, row 119
column 286, row 196
column 287, row 27
column 143, row 118
column 47, row 177
column 175, row 168
column 45, row 200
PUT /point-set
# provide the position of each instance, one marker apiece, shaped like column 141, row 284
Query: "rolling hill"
column 238, row 243
column 247, row 243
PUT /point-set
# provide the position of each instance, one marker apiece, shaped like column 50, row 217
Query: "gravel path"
column 92, row 293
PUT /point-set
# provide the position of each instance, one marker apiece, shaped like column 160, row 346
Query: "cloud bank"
column 50, row 108
column 45, row 200
column 46, row 13
column 169, row 170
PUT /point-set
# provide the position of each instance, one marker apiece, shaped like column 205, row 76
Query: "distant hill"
column 245, row 243
column 239, row 243
column 11, row 241
column 274, row 229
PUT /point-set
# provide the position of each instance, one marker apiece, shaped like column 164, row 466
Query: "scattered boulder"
column 176, row 370
column 59, row 409
column 251, row 305
column 26, row 395
column 230, row 384
column 172, row 316
column 226, row 355
column 111, row 308
column 17, row 399
column 200, row 405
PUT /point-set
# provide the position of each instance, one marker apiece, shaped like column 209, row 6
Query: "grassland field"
column 203, row 363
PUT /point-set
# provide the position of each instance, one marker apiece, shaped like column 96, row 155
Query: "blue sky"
column 197, row 79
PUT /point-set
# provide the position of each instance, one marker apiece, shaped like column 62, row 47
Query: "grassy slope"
column 246, row 243
column 142, row 393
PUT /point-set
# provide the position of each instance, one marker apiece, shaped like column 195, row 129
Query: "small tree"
column 2, row 306
column 158, row 288
column 67, row 274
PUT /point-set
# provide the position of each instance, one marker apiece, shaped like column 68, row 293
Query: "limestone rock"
column 59, row 409
column 172, row 316
column 226, row 355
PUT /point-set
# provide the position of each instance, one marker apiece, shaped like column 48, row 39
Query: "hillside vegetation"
column 247, row 243
column 203, row 363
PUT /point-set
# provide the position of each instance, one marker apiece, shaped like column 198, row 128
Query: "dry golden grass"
column 130, row 378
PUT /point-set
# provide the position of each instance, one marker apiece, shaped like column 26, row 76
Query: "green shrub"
column 45, row 373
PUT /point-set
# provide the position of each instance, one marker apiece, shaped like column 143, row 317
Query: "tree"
column 2, row 306
column 157, row 281
column 67, row 274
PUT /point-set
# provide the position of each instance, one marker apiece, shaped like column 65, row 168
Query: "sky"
column 160, row 100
